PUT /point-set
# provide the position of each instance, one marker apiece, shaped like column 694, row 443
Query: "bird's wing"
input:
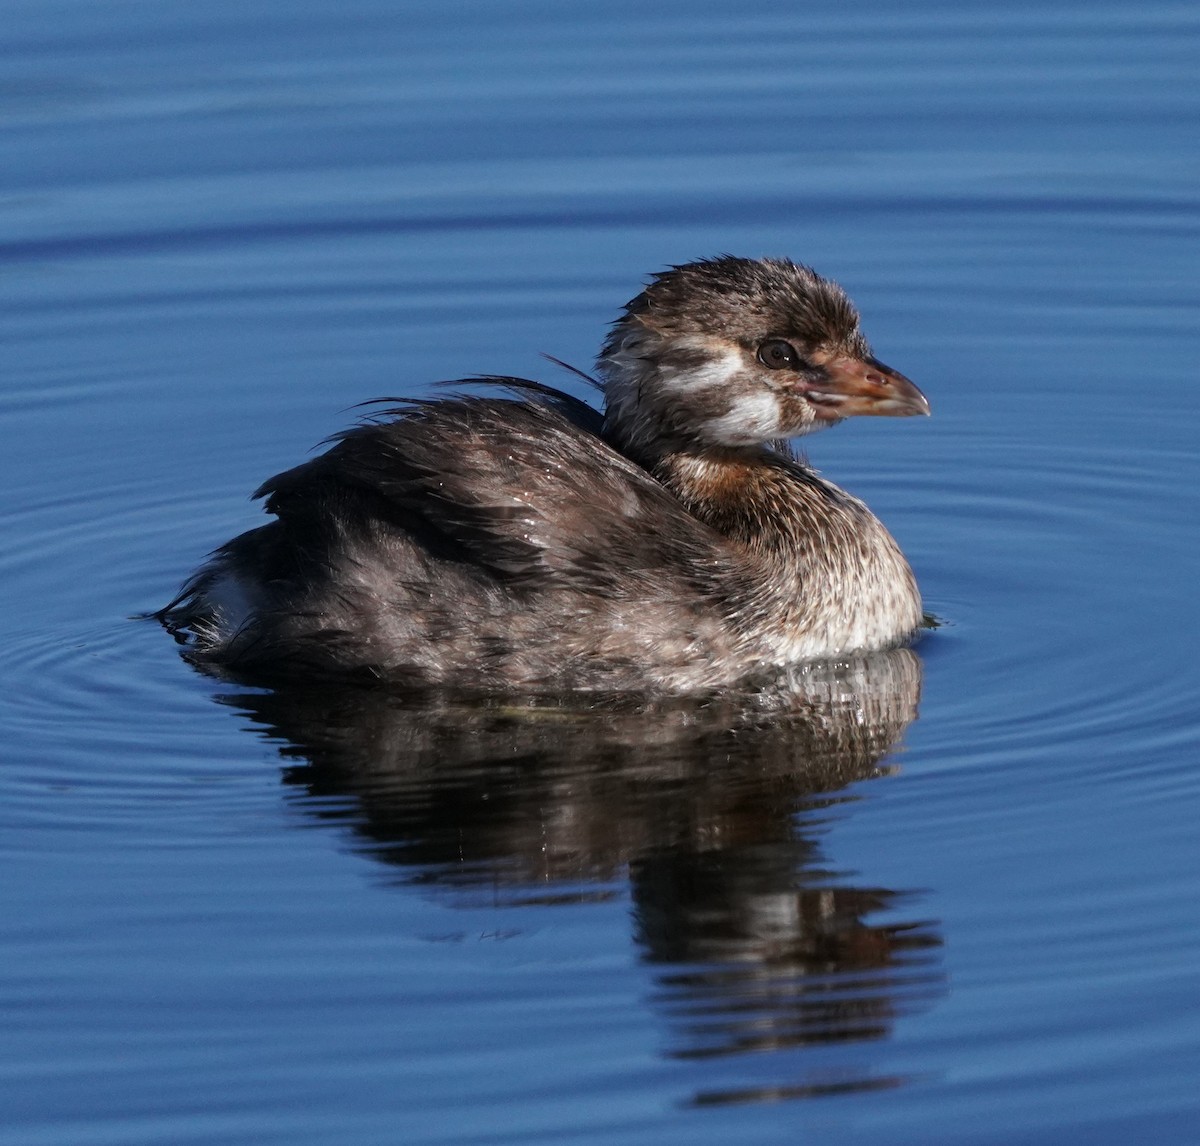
column 522, row 486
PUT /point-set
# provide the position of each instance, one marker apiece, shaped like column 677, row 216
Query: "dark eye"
column 779, row 355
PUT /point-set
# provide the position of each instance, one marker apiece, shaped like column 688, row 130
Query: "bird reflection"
column 710, row 809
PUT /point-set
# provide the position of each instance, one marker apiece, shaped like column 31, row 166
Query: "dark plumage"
column 515, row 539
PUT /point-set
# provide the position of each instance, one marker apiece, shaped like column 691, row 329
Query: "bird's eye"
column 779, row 355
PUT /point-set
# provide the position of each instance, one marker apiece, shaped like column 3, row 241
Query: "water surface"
column 947, row 895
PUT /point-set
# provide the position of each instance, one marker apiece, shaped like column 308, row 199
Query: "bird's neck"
column 756, row 496
column 816, row 557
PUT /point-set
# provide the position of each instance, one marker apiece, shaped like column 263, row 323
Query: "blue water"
column 231, row 916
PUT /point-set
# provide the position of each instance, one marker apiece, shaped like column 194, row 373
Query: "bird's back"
column 472, row 541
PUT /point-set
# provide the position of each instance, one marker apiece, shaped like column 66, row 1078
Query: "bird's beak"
column 864, row 386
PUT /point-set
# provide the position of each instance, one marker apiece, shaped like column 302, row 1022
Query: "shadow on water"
column 710, row 809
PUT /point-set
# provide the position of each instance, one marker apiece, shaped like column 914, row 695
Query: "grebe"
column 519, row 540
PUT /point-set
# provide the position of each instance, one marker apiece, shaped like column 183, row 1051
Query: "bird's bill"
column 864, row 386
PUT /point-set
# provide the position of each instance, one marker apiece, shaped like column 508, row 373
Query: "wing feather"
column 523, row 486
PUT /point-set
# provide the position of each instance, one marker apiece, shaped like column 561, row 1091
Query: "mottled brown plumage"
column 518, row 541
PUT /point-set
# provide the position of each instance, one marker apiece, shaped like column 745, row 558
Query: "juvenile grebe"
column 524, row 541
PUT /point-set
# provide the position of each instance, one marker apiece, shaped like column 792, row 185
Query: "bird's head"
column 731, row 352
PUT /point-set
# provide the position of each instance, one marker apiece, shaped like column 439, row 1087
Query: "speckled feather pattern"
column 519, row 541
